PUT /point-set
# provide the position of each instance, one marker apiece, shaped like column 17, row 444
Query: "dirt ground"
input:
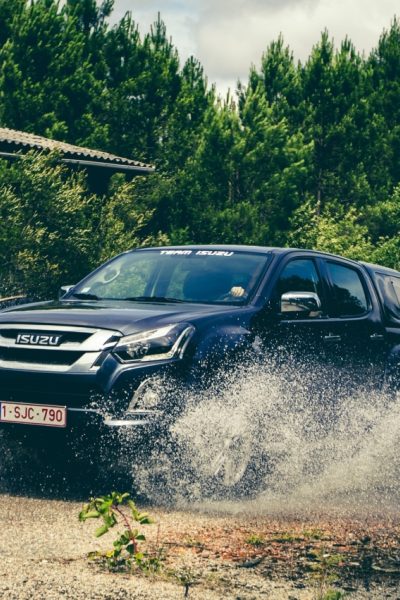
column 44, row 555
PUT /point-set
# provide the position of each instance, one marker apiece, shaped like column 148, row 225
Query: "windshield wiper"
column 83, row 296
column 152, row 299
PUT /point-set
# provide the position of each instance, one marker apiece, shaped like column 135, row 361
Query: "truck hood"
column 127, row 317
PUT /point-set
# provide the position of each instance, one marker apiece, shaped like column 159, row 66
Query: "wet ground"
column 204, row 552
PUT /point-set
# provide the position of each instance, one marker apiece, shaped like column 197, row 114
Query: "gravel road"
column 44, row 551
column 44, row 556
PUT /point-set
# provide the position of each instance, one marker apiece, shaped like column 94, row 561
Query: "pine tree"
column 280, row 79
column 273, row 166
column 47, row 83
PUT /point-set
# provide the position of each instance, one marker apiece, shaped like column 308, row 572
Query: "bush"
column 54, row 230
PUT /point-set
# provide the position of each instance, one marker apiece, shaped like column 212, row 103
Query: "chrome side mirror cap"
column 307, row 304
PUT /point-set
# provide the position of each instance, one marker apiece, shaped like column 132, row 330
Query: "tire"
column 234, row 471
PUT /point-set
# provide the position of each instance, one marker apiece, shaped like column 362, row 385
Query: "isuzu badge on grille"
column 38, row 339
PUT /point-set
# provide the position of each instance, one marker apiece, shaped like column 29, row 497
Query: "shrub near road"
column 54, row 230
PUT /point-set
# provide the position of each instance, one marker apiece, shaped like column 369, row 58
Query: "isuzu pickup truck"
column 112, row 351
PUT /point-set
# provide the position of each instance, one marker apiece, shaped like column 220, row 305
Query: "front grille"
column 79, row 349
column 39, row 357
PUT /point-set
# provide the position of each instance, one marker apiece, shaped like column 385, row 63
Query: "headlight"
column 156, row 344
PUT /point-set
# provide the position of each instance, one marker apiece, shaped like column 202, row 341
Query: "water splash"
column 276, row 439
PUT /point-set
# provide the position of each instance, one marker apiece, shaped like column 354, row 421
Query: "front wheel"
column 231, row 462
column 234, row 470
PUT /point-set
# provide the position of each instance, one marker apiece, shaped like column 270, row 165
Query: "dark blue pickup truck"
column 112, row 352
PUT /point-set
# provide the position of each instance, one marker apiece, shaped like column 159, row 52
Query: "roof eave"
column 108, row 165
column 121, row 167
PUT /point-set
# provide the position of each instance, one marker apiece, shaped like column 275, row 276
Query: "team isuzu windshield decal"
column 196, row 253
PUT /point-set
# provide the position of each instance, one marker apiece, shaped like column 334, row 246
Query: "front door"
column 296, row 337
column 341, row 346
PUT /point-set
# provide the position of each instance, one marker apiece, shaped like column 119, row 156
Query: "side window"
column 349, row 298
column 395, row 281
column 299, row 275
column 389, row 287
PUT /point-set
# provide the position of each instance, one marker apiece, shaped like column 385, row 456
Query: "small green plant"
column 255, row 540
column 125, row 554
column 325, row 568
column 187, row 577
column 287, row 538
column 192, row 542
column 313, row 534
column 333, row 595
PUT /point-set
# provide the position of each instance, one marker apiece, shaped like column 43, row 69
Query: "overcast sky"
column 227, row 36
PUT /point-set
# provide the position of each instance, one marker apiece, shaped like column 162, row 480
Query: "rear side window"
column 395, row 281
column 389, row 288
column 349, row 299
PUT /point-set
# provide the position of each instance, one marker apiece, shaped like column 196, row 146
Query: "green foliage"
column 324, row 569
column 335, row 230
column 122, row 217
column 47, row 82
column 387, row 252
column 383, row 221
column 268, row 147
column 125, row 553
column 255, row 540
column 53, row 230
column 309, row 155
column 280, row 81
column 46, row 222
column 333, row 595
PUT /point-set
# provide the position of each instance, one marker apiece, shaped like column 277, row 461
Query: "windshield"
column 206, row 276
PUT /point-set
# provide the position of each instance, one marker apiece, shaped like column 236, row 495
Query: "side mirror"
column 64, row 289
column 306, row 304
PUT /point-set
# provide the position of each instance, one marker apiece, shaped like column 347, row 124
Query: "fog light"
column 147, row 396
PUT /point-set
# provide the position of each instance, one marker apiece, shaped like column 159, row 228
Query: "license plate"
column 33, row 414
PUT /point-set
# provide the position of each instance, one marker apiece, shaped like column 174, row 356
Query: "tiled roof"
column 70, row 151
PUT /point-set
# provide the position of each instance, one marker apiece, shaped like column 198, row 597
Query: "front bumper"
column 88, row 427
column 98, row 405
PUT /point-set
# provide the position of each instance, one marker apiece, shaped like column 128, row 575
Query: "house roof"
column 14, row 140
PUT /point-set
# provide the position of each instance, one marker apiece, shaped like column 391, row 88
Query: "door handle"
column 376, row 337
column 332, row 339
